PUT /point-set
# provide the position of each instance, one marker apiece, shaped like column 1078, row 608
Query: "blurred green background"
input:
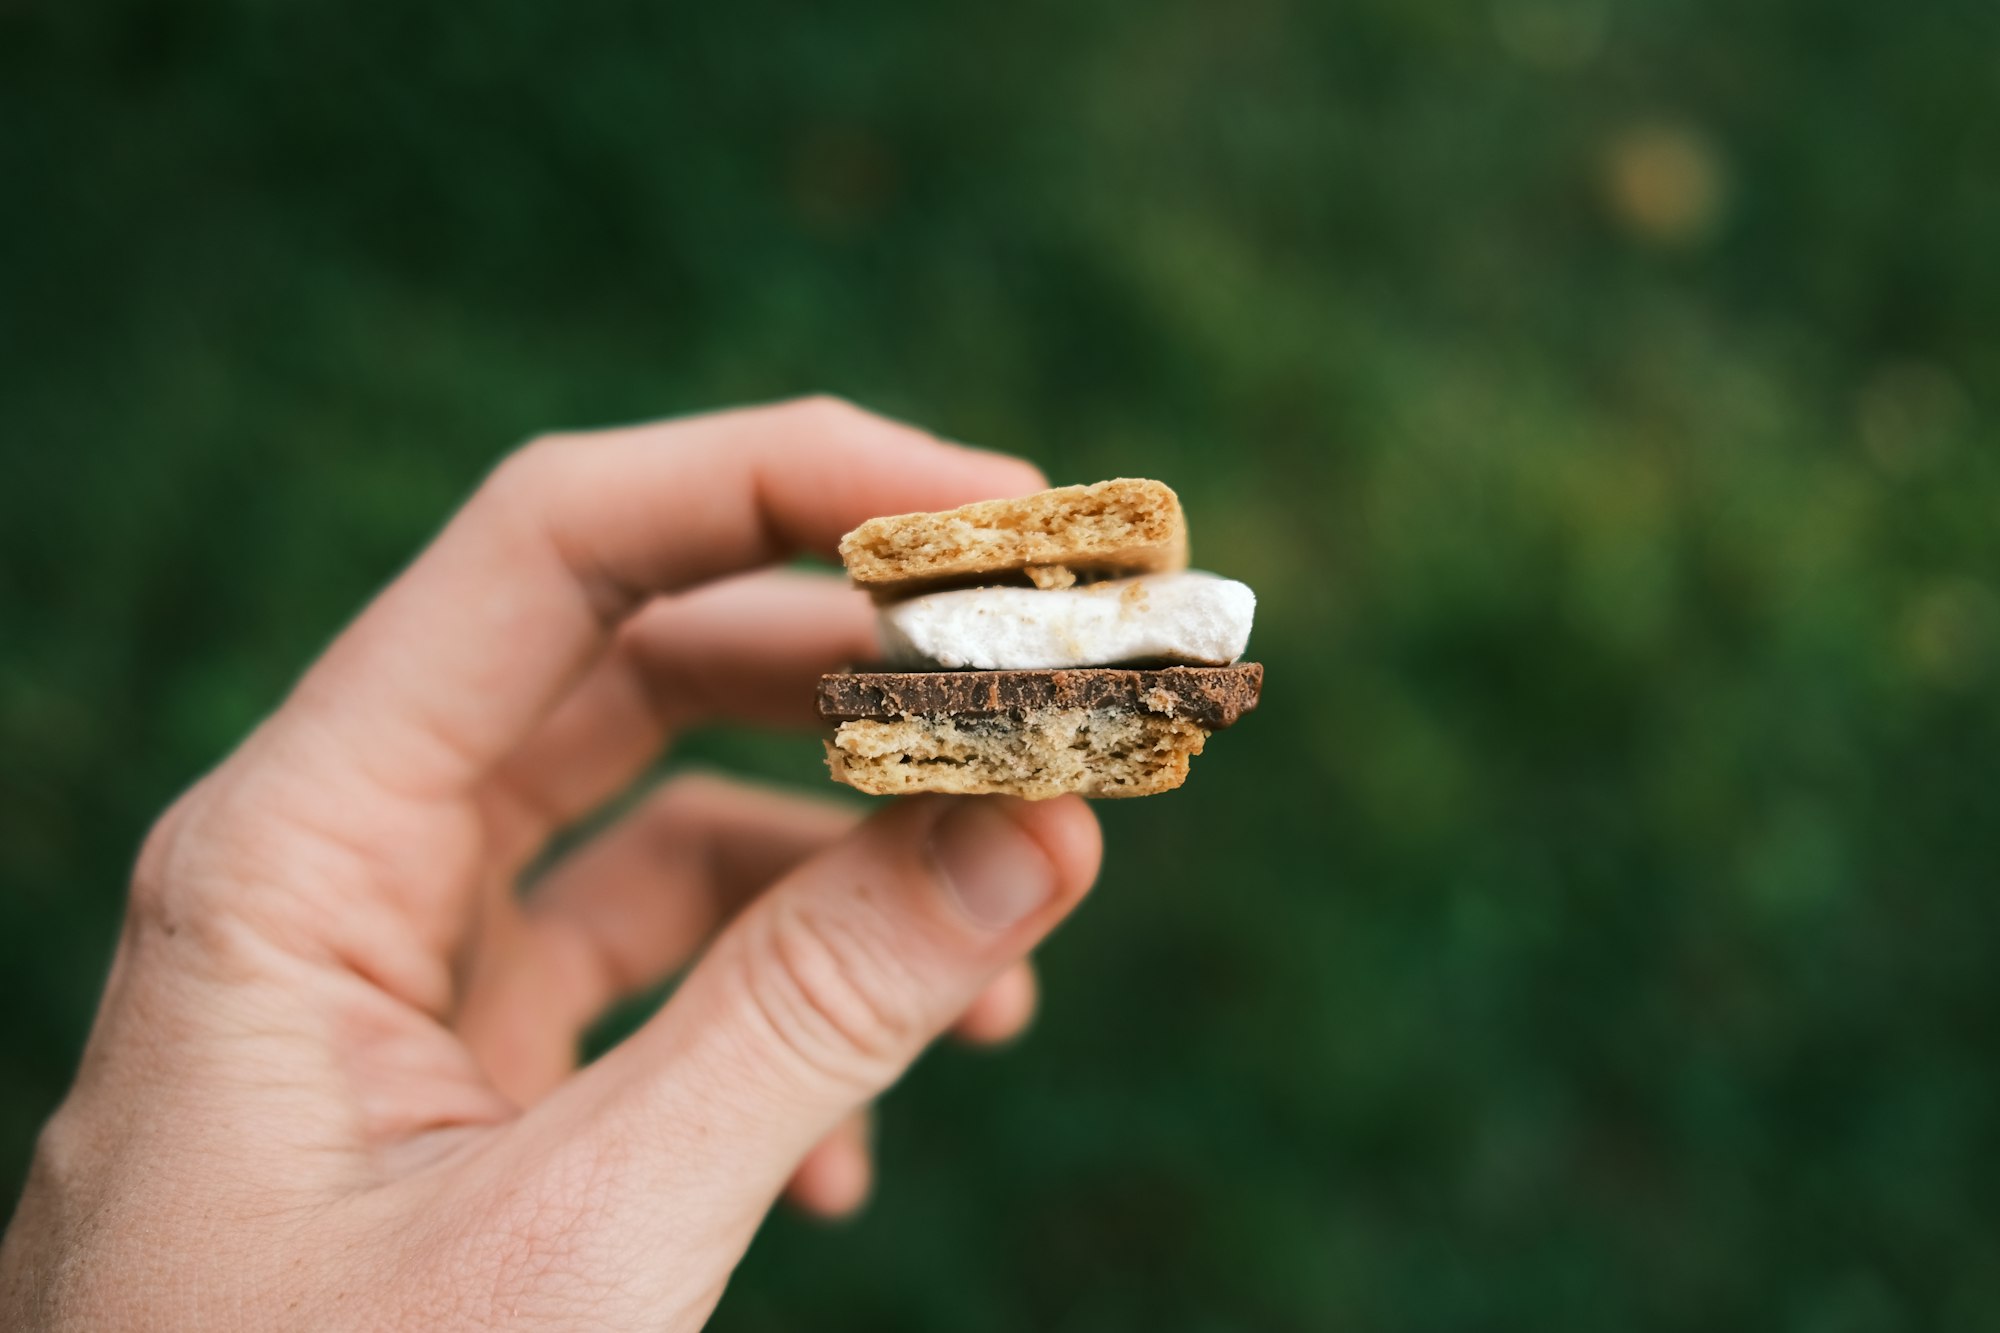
column 1595, row 928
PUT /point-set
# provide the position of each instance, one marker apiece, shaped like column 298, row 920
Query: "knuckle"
column 693, row 806
column 825, row 412
column 525, row 475
column 62, row 1150
column 533, row 497
column 156, row 857
column 689, row 799
column 550, row 450
column 161, row 877
column 196, row 883
column 836, row 995
column 531, row 483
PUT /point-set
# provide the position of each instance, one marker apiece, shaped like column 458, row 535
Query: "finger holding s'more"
column 1048, row 644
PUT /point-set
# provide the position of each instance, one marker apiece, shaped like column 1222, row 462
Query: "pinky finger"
column 1003, row 1010
column 836, row 1177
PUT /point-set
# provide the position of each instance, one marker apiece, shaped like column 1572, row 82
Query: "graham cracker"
column 1124, row 526
column 1102, row 752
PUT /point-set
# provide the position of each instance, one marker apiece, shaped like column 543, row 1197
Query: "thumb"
column 822, row 992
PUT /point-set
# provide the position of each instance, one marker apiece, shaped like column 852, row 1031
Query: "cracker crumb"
column 1051, row 578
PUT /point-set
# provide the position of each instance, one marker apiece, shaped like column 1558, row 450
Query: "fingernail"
column 995, row 871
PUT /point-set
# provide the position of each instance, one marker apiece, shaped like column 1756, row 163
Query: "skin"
column 333, row 1079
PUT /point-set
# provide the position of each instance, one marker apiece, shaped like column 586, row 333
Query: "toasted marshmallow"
column 1188, row 617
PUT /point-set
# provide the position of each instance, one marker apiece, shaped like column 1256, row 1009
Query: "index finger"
column 454, row 663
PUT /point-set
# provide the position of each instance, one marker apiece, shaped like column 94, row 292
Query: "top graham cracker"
column 1124, row 526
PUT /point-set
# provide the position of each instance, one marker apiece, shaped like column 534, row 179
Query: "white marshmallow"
column 1183, row 617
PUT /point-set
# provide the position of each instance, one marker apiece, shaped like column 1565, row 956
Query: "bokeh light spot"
column 1664, row 183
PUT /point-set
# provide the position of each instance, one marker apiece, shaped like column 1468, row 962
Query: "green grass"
column 1593, row 928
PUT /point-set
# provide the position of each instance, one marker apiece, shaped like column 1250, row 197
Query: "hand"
column 332, row 1082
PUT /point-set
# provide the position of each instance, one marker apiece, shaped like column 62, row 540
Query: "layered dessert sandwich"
column 1048, row 644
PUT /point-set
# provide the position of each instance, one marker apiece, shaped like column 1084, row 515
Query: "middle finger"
column 745, row 649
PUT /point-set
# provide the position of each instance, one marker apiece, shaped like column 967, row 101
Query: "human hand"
column 332, row 1082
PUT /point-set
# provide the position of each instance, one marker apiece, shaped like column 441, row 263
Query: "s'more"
column 1052, row 643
